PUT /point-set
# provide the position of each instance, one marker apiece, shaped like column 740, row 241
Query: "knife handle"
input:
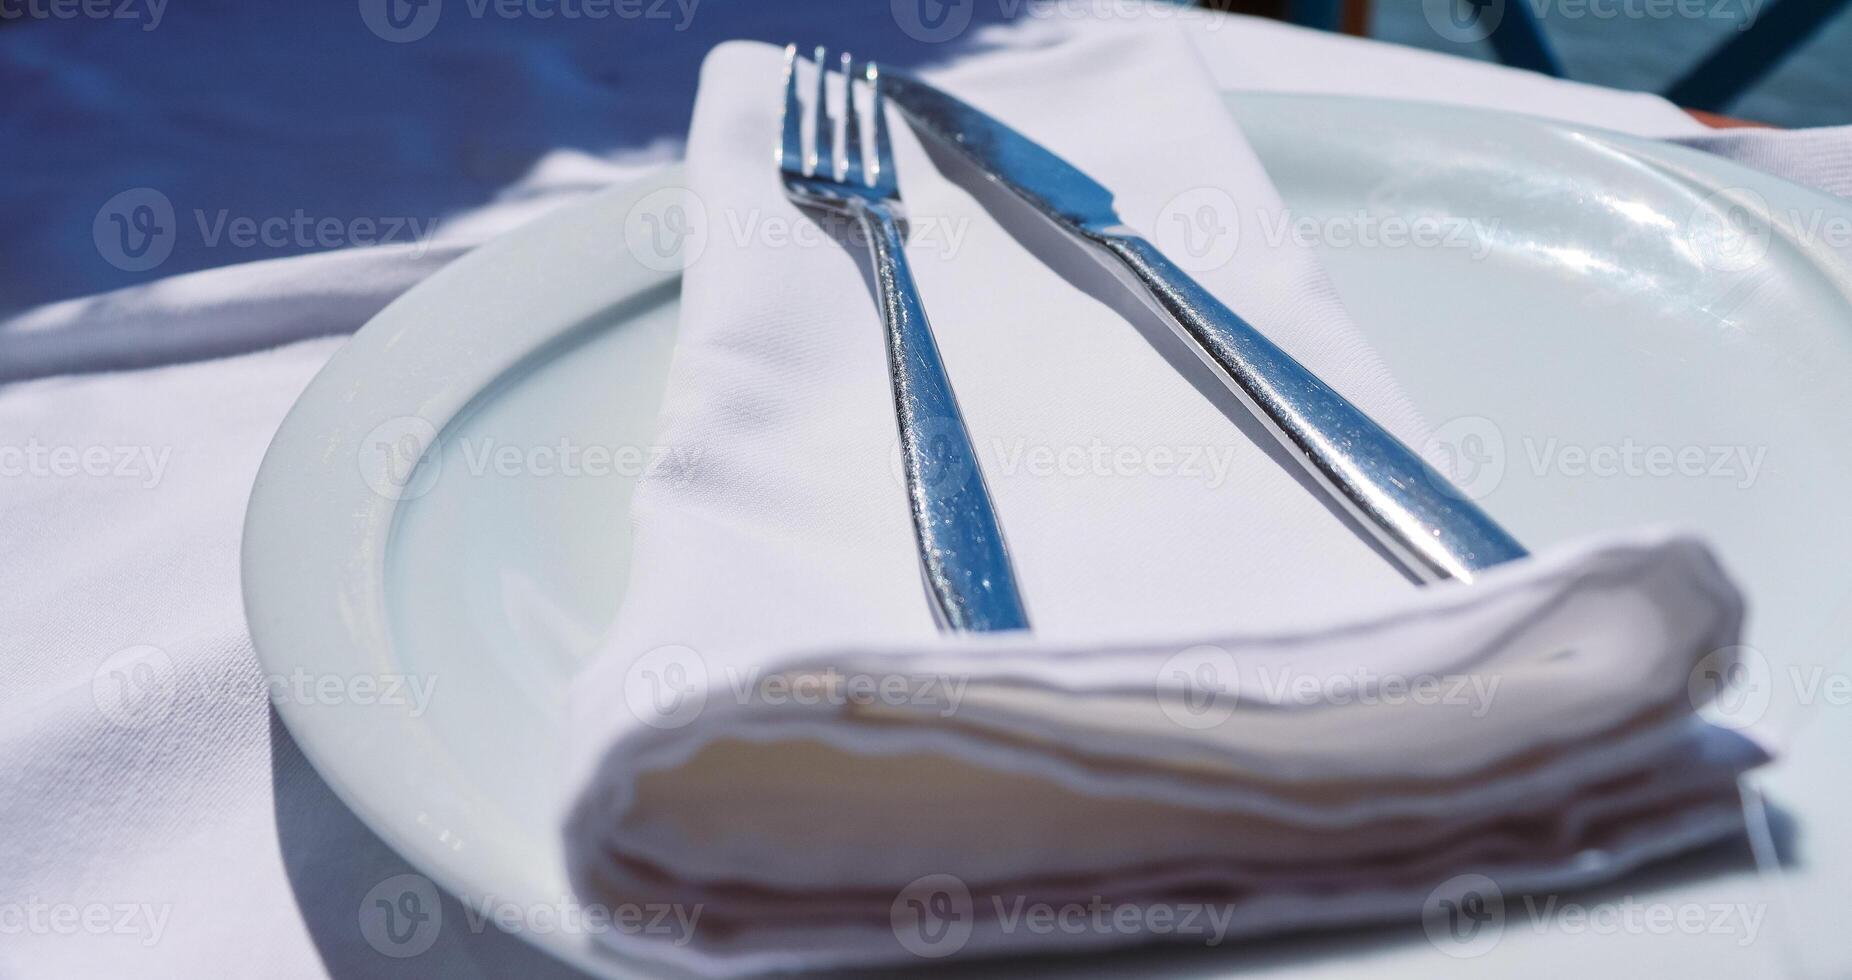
column 962, row 552
column 1419, row 517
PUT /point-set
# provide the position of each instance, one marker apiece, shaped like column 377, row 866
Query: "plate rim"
column 290, row 633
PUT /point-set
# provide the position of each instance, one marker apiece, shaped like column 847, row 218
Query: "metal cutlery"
column 963, row 557
column 1417, row 517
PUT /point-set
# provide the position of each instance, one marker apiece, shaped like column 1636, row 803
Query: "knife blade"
column 1420, row 520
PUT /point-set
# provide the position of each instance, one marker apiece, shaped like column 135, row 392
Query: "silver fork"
column 962, row 553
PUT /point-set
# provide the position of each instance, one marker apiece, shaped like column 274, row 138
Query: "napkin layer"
column 1219, row 700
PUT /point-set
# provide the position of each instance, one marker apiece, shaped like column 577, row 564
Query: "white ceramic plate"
column 1594, row 314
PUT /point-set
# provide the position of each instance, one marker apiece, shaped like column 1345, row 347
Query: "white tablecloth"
column 160, row 822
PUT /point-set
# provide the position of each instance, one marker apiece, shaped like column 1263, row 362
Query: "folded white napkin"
column 1229, row 701
column 1815, row 158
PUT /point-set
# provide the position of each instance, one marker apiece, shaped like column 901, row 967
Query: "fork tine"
column 791, row 144
column 822, row 164
column 851, row 127
column 885, row 180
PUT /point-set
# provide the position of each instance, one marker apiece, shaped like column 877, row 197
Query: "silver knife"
column 1415, row 514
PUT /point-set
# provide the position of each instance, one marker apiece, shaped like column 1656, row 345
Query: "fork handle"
column 962, row 553
column 1416, row 515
